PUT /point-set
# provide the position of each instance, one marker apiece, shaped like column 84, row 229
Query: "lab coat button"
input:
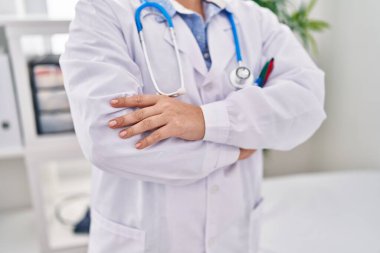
column 215, row 189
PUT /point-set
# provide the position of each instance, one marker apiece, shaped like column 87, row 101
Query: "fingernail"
column 138, row 145
column 123, row 133
column 114, row 101
column 112, row 123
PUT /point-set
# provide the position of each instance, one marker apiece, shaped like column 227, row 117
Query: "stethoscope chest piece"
column 241, row 77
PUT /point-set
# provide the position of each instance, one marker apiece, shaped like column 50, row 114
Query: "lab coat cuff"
column 217, row 122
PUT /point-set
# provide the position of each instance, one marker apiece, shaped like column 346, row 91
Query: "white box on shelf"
column 10, row 135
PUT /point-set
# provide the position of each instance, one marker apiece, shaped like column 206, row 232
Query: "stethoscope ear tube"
column 240, row 77
column 156, row 6
column 181, row 90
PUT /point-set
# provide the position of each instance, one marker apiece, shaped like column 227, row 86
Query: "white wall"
column 21, row 7
column 7, row 7
column 14, row 188
column 349, row 53
column 350, row 138
column 55, row 8
column 35, row 6
column 61, row 8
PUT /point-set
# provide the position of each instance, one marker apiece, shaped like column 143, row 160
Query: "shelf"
column 11, row 153
column 66, row 179
column 18, row 27
column 54, row 147
column 62, row 238
column 45, row 155
column 17, row 233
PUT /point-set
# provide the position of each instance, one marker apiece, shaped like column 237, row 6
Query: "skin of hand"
column 165, row 116
column 246, row 153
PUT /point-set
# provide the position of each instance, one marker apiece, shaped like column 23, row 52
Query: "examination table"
column 322, row 213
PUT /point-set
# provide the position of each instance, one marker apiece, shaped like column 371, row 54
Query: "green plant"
column 297, row 19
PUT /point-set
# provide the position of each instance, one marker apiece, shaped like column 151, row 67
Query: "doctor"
column 183, row 174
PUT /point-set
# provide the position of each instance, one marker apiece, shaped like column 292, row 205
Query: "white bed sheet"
column 322, row 213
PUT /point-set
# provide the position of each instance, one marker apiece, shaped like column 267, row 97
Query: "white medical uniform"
column 185, row 196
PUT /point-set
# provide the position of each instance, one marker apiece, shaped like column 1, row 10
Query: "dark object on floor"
column 83, row 226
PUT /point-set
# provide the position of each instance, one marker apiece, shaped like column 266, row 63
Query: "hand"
column 167, row 116
column 246, row 153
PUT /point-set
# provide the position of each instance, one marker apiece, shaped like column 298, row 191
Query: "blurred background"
column 44, row 182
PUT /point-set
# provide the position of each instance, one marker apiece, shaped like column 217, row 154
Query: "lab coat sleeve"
column 97, row 67
column 283, row 114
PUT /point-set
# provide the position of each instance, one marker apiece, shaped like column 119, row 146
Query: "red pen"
column 269, row 71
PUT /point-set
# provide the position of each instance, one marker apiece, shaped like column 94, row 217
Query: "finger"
column 135, row 101
column 155, row 137
column 134, row 117
column 246, row 153
column 143, row 126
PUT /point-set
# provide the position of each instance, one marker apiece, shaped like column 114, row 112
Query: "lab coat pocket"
column 255, row 227
column 108, row 236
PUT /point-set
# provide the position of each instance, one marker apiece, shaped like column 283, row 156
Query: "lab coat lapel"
column 221, row 45
column 187, row 44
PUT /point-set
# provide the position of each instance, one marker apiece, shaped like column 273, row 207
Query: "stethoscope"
column 240, row 77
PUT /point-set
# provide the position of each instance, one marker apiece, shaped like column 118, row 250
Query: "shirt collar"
column 213, row 7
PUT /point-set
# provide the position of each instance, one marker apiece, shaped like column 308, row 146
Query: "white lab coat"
column 185, row 196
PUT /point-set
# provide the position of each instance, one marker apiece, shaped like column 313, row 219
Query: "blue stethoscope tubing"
column 239, row 77
column 181, row 90
column 236, row 37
